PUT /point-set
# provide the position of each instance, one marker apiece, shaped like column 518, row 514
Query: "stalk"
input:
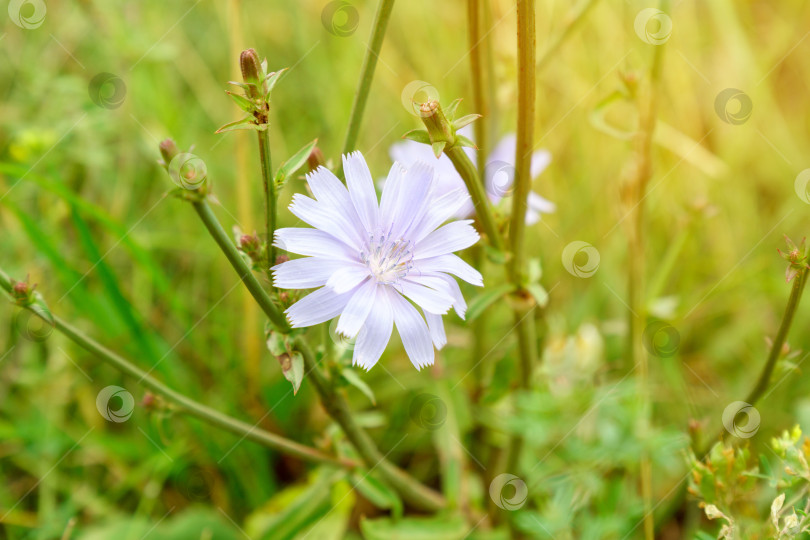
column 483, row 210
column 185, row 403
column 476, row 68
column 242, row 269
column 367, row 72
column 269, row 196
column 527, row 341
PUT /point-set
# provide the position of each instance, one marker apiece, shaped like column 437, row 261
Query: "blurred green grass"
column 83, row 212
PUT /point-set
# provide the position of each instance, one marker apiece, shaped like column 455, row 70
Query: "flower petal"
column 411, row 198
column 437, row 212
column 436, row 328
column 447, row 239
column 540, row 160
column 323, row 217
column 412, row 330
column 446, row 284
column 375, row 333
column 357, row 309
column 314, row 243
column 317, row 307
column 430, row 300
column 304, row 273
column 361, row 189
column 348, row 277
column 451, row 264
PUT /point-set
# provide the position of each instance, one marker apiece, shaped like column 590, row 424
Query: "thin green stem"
column 269, row 196
column 185, row 403
column 477, row 72
column 413, row 492
column 333, row 401
column 779, row 341
column 367, row 72
column 527, row 341
column 483, row 209
column 242, row 269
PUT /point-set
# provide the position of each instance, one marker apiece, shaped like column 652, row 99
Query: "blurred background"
column 89, row 89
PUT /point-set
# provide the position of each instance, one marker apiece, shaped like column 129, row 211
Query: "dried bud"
column 148, row 400
column 168, row 149
column 252, row 73
column 250, row 244
column 282, row 259
column 315, row 159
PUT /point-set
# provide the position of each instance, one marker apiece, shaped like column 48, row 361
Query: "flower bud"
column 168, row 149
column 22, row 291
column 252, row 73
column 438, row 127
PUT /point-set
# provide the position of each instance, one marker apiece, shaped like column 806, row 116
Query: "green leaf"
column 438, row 147
column 378, row 494
column 418, row 135
column 494, row 255
column 292, row 366
column 271, row 80
column 465, row 120
column 244, row 123
column 39, row 307
column 464, row 141
column 539, row 293
column 450, row 110
column 294, row 163
column 487, row 298
column 354, row 379
column 242, row 102
column 433, row 528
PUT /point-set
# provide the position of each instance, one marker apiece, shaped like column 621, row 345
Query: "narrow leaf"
column 438, row 147
column 450, row 110
column 244, row 123
column 271, row 81
column 465, row 120
column 377, row 493
column 465, row 141
column 418, row 135
column 354, row 379
column 242, row 102
column 487, row 298
column 294, row 163
column 433, row 528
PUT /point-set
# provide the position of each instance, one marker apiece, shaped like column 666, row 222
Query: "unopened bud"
column 315, row 159
column 438, row 127
column 168, row 149
column 250, row 244
column 21, row 291
column 252, row 72
column 282, row 259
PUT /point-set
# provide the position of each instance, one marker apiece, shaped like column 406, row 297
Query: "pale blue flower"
column 376, row 263
column 499, row 173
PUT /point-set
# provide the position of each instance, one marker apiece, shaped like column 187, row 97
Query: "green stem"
column 476, row 67
column 778, row 342
column 527, row 341
column 367, row 72
column 334, row 402
column 413, row 492
column 242, row 269
column 269, row 196
column 185, row 403
column 483, row 209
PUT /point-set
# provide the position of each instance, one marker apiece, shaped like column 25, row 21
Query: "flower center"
column 389, row 260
